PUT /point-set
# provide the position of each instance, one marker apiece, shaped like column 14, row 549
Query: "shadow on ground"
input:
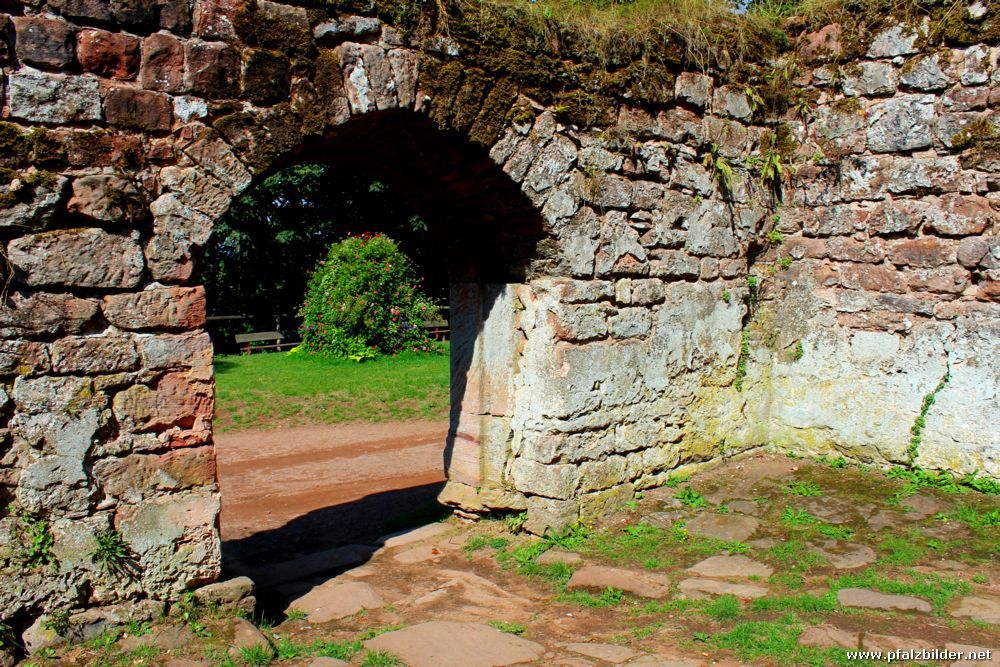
column 361, row 521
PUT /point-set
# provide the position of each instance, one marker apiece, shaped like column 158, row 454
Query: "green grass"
column 724, row 607
column 271, row 390
column 609, row 597
column 509, row 627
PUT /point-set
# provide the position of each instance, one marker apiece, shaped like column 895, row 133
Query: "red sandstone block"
column 138, row 109
column 926, row 252
column 873, row 277
column 113, row 55
column 168, row 308
column 175, row 401
column 800, row 247
column 212, row 69
column 942, row 280
column 871, row 251
column 44, row 42
column 162, row 63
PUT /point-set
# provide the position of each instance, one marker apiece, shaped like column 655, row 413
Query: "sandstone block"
column 138, row 109
column 43, row 313
column 961, row 215
column 89, row 354
column 899, row 40
column 113, row 55
column 53, row 98
column 823, row 44
column 78, row 258
column 695, row 89
column 97, row 10
column 927, row 252
column 107, row 199
column 162, row 63
column 868, row 599
column 165, row 308
column 211, row 69
column 20, row 357
column 45, row 42
column 175, row 400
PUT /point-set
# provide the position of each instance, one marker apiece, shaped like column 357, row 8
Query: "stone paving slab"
column 699, row 589
column 612, row 653
column 869, row 599
column 599, row 577
column 453, row 644
column 337, row 599
column 731, row 566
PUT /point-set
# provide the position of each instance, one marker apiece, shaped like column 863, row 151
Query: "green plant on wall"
column 32, row 538
column 719, row 168
column 917, row 430
column 114, row 556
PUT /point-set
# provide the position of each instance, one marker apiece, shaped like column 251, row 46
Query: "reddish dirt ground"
column 270, row 479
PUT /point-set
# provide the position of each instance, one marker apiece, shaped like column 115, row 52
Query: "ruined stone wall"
column 684, row 300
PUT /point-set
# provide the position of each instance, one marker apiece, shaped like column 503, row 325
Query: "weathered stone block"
column 213, row 19
column 53, row 98
column 211, row 69
column 107, row 199
column 873, row 79
column 901, row 124
column 942, row 280
column 583, row 322
column 899, row 40
column 21, row 357
column 732, row 102
column 927, row 252
column 78, row 258
column 94, row 354
column 147, row 473
column 557, row 481
column 546, row 514
column 873, row 277
column 174, row 401
column 165, row 308
column 695, row 89
column 674, row 264
column 162, row 63
column 871, row 251
column 961, row 215
column 925, row 74
column 42, row 313
column 52, row 396
column 630, row 323
column 113, row 55
column 168, row 352
column 138, row 109
column 45, row 42
column 97, row 10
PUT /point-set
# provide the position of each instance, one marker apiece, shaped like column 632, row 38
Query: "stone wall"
column 670, row 299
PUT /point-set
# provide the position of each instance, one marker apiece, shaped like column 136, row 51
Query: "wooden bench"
column 248, row 339
column 437, row 328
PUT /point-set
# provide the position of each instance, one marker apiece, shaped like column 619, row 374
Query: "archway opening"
column 298, row 485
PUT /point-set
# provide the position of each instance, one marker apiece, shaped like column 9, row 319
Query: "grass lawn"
column 269, row 390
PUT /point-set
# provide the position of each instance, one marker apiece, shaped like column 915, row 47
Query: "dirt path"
column 272, row 478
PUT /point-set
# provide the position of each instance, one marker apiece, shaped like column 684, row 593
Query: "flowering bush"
column 364, row 299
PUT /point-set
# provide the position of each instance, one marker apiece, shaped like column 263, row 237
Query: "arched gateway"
column 606, row 331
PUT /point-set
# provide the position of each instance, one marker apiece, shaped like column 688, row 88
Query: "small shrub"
column 114, row 556
column 364, row 299
column 806, row 488
column 691, row 498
